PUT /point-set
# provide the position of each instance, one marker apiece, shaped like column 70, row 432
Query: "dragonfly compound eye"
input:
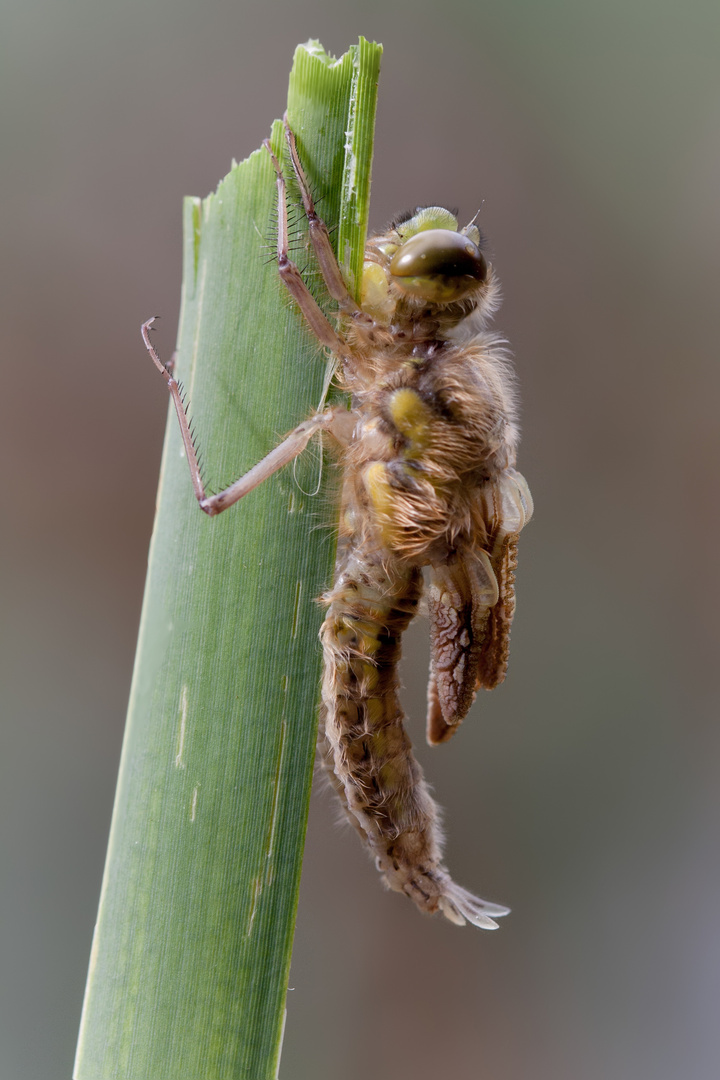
column 438, row 265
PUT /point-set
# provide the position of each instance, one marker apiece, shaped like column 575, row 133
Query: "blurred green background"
column 584, row 792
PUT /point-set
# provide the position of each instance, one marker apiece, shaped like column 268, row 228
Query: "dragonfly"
column 431, row 507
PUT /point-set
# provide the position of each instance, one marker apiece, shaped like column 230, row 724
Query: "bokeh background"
column 584, row 792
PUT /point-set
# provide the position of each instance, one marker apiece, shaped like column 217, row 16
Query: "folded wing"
column 471, row 602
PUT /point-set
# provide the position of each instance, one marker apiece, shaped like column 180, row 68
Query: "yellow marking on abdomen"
column 382, row 497
column 412, row 418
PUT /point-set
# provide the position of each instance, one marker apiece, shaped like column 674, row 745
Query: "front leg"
column 320, row 237
column 315, row 317
column 338, row 421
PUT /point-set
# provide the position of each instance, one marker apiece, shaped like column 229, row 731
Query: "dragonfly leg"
column 320, row 237
column 314, row 316
column 337, row 421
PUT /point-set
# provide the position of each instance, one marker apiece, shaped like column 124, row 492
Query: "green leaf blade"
column 192, row 948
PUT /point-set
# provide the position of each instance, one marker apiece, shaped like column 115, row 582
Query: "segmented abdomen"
column 363, row 739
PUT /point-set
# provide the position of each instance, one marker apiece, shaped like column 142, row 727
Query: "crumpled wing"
column 471, row 602
column 508, row 507
column 461, row 595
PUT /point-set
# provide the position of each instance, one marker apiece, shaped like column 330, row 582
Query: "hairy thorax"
column 430, row 432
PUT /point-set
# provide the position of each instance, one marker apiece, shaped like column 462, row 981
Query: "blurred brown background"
column 583, row 792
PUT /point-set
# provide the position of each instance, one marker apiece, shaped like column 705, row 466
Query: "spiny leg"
column 320, row 237
column 311, row 310
column 338, row 422
column 175, row 394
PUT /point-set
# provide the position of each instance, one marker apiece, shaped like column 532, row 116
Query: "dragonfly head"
column 439, row 266
column 426, row 258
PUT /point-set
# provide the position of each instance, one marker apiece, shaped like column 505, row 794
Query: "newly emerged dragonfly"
column 428, row 452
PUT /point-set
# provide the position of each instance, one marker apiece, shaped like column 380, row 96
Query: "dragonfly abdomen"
column 363, row 739
column 371, row 752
